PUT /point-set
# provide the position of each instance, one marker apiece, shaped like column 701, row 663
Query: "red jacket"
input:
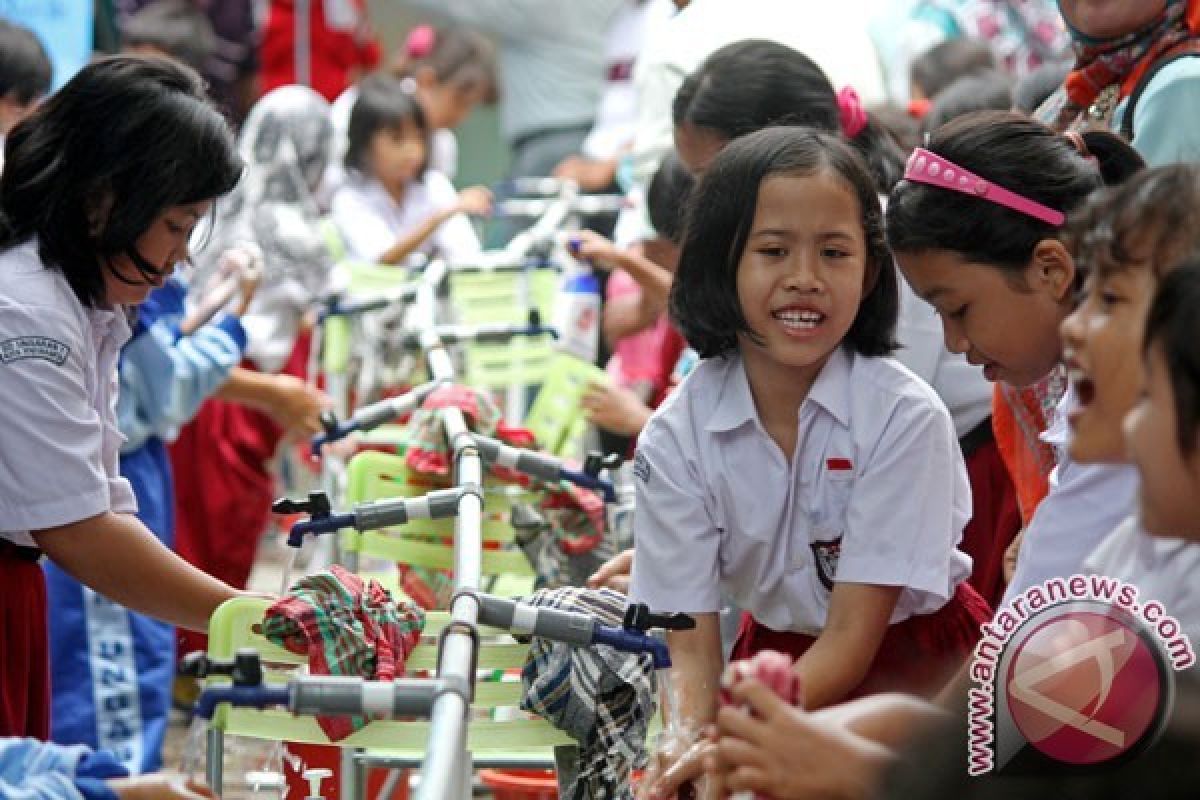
column 336, row 55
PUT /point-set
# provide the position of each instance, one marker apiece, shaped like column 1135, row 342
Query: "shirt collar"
column 830, row 391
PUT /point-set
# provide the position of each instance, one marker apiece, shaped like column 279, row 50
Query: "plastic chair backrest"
column 235, row 624
column 372, row 475
column 365, row 280
column 556, row 416
column 504, row 296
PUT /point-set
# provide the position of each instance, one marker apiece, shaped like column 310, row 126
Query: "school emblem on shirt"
column 825, row 554
column 23, row 347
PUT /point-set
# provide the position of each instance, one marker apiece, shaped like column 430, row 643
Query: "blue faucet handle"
column 580, row 478
column 318, row 525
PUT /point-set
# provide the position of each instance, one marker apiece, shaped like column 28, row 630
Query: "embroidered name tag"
column 23, row 347
column 641, row 467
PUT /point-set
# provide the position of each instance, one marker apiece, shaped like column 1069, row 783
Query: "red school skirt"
column 24, row 656
column 917, row 656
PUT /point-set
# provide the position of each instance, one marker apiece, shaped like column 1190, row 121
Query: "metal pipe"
column 446, row 754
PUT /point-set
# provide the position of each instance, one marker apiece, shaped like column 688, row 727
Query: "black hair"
column 667, row 198
column 899, row 124
column 1019, row 155
column 25, row 69
column 947, row 61
column 1174, row 324
column 457, row 55
column 704, row 299
column 755, row 84
column 175, row 27
column 1037, row 86
column 383, row 102
column 89, row 172
column 983, row 91
column 1153, row 217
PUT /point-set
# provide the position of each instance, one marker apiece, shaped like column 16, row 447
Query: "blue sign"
column 64, row 26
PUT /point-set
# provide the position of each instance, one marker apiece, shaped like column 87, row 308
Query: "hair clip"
column 420, row 42
column 930, row 168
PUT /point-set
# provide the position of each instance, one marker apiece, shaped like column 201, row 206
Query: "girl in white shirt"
column 798, row 469
column 977, row 228
column 101, row 190
column 392, row 205
column 1130, row 239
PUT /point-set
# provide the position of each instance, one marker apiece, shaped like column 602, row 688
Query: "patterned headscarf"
column 1118, row 62
column 286, row 145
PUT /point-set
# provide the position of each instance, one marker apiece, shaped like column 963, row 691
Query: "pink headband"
column 926, row 167
column 420, row 42
column 850, row 108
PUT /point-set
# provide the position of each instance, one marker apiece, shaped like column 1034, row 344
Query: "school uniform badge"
column 825, row 555
column 41, row 347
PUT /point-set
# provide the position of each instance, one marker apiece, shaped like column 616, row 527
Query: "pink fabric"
column 636, row 358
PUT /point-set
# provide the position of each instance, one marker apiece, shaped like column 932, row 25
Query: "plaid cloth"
column 602, row 697
column 572, row 544
column 345, row 628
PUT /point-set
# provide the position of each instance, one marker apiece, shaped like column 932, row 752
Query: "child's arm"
column 627, row 315
column 475, row 200
column 654, row 280
column 288, row 400
column 842, row 655
column 689, row 703
column 118, row 557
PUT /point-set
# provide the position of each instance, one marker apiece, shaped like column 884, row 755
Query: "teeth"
column 1076, row 375
column 803, row 319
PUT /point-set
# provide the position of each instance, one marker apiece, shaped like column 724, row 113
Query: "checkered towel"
column 602, row 697
column 573, row 544
column 345, row 628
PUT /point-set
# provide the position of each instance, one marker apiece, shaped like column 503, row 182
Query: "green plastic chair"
column 365, row 280
column 556, row 416
column 373, row 475
column 483, row 297
column 513, row 739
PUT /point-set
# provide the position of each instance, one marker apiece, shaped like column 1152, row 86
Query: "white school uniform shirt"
column 59, row 442
column 1084, row 504
column 370, row 221
column 1162, row 569
column 875, row 493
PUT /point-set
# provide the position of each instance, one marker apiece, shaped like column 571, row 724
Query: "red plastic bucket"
column 520, row 784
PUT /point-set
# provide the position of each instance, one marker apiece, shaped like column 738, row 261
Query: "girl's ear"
column 1052, row 270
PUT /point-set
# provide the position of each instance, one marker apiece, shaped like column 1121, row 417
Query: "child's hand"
column 296, row 406
column 475, row 200
column 676, row 773
column 767, row 746
column 246, row 263
column 592, row 176
column 158, row 787
column 1009, row 565
column 614, row 573
column 615, row 409
column 599, row 252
